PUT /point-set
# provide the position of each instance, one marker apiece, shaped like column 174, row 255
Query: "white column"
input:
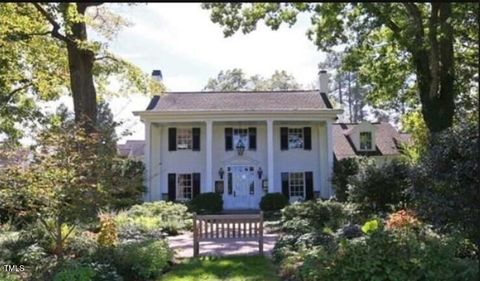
column 329, row 157
column 208, row 151
column 147, row 162
column 270, row 155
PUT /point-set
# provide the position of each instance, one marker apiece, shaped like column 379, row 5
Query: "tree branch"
column 388, row 21
column 106, row 57
column 12, row 93
column 56, row 26
column 46, row 227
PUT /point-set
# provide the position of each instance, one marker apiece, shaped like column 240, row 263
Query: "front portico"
column 283, row 150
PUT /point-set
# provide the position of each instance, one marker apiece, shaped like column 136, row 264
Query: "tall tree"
column 346, row 83
column 424, row 39
column 228, row 80
column 236, row 80
column 45, row 52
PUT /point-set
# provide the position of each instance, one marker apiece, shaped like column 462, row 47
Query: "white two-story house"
column 239, row 144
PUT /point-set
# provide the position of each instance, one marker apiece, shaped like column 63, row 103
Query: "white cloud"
column 185, row 32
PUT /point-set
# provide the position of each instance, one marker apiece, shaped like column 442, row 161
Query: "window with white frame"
column 184, row 138
column 295, row 138
column 240, row 135
column 184, row 187
column 296, row 184
column 365, row 140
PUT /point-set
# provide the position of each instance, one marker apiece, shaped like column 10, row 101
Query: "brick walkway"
column 183, row 246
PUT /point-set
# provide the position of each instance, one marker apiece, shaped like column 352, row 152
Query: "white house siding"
column 187, row 161
column 178, row 161
column 300, row 160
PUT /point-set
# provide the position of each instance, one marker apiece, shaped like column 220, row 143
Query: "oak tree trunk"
column 433, row 58
column 80, row 63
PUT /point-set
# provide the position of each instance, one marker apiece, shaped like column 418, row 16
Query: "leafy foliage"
column 108, row 231
column 142, row 260
column 150, row 217
column 343, row 170
column 45, row 53
column 75, row 272
column 387, row 255
column 446, row 181
column 236, row 80
column 206, row 203
column 379, row 189
column 273, row 201
column 395, row 47
column 313, row 216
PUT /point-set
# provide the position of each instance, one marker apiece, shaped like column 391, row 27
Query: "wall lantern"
column 221, row 172
column 240, row 147
column 260, row 172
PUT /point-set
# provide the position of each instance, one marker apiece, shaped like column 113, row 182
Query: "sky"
column 181, row 41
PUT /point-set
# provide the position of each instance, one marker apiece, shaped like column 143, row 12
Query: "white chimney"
column 323, row 79
column 157, row 75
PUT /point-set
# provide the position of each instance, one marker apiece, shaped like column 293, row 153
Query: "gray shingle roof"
column 240, row 101
column 387, row 140
column 135, row 147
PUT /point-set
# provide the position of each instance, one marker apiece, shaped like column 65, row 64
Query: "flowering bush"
column 401, row 220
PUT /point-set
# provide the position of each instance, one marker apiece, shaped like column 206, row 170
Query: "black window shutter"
column 309, row 185
column 284, row 138
column 252, row 138
column 196, row 184
column 307, row 138
column 196, row 139
column 172, row 190
column 285, row 189
column 172, row 139
column 228, row 139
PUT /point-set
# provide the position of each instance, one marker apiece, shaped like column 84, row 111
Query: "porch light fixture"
column 220, row 173
column 240, row 147
column 260, row 172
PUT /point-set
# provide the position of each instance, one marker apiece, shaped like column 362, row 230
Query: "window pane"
column 295, row 138
column 184, row 187
column 296, row 185
column 240, row 135
column 365, row 140
column 184, row 138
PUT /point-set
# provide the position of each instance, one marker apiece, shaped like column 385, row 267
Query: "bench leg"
column 196, row 249
column 260, row 246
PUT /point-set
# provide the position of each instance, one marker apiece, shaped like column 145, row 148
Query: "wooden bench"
column 227, row 228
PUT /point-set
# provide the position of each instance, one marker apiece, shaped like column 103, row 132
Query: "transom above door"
column 242, row 189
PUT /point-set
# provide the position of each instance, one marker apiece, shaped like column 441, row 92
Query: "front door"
column 240, row 192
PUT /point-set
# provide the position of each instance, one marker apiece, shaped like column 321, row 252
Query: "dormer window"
column 365, row 140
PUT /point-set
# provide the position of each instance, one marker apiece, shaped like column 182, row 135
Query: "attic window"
column 365, row 140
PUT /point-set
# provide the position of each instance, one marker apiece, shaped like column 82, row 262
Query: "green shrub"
column 5, row 276
column 343, row 170
column 207, row 203
column 380, row 189
column 390, row 255
column 142, row 260
column 72, row 271
column 313, row 216
column 273, row 202
column 126, row 183
column 150, row 219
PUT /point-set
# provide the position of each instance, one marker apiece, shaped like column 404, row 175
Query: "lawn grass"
column 234, row 268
